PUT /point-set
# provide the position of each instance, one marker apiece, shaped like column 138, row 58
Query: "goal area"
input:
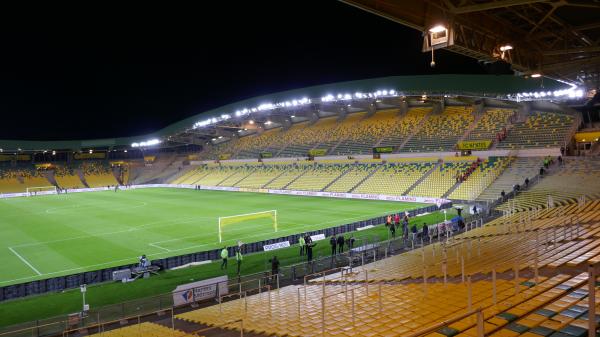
column 31, row 191
column 252, row 220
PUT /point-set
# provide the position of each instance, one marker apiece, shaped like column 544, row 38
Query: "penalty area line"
column 24, row 261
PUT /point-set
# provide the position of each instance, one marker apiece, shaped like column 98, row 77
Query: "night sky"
column 127, row 72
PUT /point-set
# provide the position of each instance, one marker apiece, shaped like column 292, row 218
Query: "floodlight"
column 536, row 75
column 91, row 151
column 214, row 139
column 292, row 116
column 251, row 122
column 123, row 151
column 506, row 47
column 268, row 123
column 53, row 152
column 437, row 29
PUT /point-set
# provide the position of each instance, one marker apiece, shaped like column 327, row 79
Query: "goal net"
column 40, row 190
column 256, row 220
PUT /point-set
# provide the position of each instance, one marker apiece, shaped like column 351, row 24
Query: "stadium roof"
column 204, row 126
column 557, row 38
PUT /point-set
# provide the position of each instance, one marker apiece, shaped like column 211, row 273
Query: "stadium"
column 405, row 205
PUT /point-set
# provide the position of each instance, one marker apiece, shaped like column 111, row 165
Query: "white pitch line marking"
column 24, row 261
column 159, row 247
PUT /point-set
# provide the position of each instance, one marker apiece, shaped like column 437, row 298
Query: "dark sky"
column 95, row 73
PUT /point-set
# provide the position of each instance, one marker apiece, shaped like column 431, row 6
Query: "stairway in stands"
column 435, row 167
column 519, row 169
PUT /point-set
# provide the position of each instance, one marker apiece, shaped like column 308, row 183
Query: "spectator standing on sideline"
column 309, row 252
column 302, row 244
column 350, row 242
column 340, row 244
column 239, row 257
column 526, row 182
column 425, row 231
column 274, row 267
column 405, row 226
column 393, row 230
column 333, row 243
column 224, row 255
column 414, row 231
column 397, row 220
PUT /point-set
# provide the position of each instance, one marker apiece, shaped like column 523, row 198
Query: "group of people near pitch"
column 393, row 223
column 337, row 245
column 238, row 257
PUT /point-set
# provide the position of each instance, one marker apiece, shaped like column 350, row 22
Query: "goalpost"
column 41, row 190
column 230, row 220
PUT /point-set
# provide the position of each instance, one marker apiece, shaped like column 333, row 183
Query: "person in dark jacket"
column 274, row 267
column 309, row 250
column 350, row 242
column 340, row 244
column 425, row 231
column 333, row 243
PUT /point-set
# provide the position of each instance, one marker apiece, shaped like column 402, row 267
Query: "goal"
column 40, row 190
column 251, row 219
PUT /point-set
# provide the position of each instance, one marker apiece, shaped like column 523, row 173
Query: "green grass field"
column 48, row 236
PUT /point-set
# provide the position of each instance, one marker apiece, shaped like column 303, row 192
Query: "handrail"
column 442, row 324
column 98, row 325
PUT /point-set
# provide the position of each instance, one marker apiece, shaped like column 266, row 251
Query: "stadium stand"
column 317, row 177
column 329, row 139
column 216, row 175
column 517, row 171
column 441, row 179
column 574, row 179
column 18, row 179
column 251, row 146
column 145, row 329
column 390, row 297
column 492, row 122
column 98, row 174
column 416, row 131
column 541, row 129
column 440, row 132
column 352, row 177
column 480, row 179
column 291, row 173
column 397, row 131
column 261, row 176
column 67, row 177
column 394, row 178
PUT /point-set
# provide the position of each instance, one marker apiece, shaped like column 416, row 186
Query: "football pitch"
column 54, row 235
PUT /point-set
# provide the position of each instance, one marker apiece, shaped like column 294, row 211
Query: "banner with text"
column 317, row 152
column 200, row 290
column 474, row 145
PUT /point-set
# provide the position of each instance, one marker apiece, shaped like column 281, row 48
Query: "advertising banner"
column 277, row 245
column 200, row 290
column 383, row 149
column 317, row 152
column 474, row 145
